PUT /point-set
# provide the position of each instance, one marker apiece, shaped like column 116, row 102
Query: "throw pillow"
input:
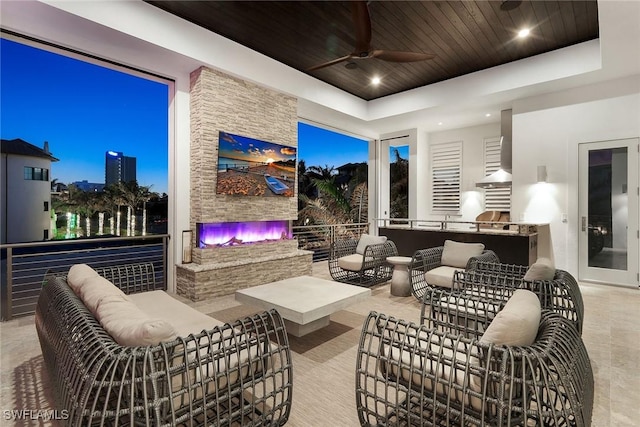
column 77, row 275
column 457, row 254
column 542, row 269
column 95, row 289
column 517, row 323
column 366, row 240
column 130, row 326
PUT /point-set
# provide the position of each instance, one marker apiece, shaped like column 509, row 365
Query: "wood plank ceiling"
column 465, row 36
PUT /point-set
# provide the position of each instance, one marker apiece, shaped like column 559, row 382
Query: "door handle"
column 584, row 223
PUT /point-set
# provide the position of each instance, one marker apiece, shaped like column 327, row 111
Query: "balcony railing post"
column 165, row 244
column 332, row 235
column 7, row 300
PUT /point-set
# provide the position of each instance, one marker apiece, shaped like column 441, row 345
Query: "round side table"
column 400, row 285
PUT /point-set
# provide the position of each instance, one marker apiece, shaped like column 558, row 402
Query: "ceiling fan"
column 363, row 49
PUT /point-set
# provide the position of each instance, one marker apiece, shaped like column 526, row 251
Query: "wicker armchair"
column 367, row 269
column 497, row 282
column 235, row 374
column 409, row 374
column 429, row 259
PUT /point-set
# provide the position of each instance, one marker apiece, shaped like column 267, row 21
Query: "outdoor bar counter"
column 514, row 243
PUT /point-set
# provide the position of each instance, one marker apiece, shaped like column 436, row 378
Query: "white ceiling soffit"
column 149, row 23
column 565, row 68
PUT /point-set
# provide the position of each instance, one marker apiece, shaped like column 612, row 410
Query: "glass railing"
column 24, row 265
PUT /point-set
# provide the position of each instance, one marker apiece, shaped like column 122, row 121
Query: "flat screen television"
column 251, row 167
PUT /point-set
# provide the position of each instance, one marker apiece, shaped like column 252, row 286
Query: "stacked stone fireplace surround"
column 220, row 102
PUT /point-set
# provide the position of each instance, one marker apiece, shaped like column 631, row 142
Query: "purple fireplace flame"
column 238, row 233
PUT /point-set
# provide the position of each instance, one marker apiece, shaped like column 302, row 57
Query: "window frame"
column 33, row 173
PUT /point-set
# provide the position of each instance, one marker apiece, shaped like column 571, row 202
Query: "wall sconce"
column 542, row 173
column 187, row 235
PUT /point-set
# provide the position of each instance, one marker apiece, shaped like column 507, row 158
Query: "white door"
column 608, row 241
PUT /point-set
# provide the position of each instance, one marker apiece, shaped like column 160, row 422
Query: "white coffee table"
column 305, row 302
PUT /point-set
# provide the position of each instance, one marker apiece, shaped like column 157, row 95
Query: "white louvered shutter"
column 446, row 171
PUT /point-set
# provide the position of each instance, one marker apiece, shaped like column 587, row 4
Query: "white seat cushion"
column 130, row 326
column 457, row 254
column 465, row 310
column 352, row 262
column 186, row 320
column 441, row 276
column 94, row 289
column 517, row 323
column 542, row 269
column 77, row 275
column 366, row 240
column 411, row 366
column 442, row 365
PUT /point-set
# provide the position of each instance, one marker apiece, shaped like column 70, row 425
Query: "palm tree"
column 326, row 173
column 326, row 202
column 359, row 203
column 305, row 186
column 133, row 195
column 88, row 203
column 332, row 206
column 114, row 199
column 399, row 187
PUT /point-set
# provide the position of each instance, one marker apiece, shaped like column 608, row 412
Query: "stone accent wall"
column 220, row 102
column 223, row 103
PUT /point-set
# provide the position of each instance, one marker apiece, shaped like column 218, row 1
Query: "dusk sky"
column 320, row 147
column 84, row 110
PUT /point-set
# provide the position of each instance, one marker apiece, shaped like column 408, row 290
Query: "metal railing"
column 24, row 265
column 318, row 238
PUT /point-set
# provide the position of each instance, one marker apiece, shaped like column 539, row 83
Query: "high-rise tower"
column 119, row 168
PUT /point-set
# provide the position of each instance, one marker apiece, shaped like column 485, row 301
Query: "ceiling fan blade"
column 329, row 63
column 362, row 22
column 397, row 56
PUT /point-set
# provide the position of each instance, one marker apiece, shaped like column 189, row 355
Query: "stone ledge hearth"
column 243, row 253
column 199, row 282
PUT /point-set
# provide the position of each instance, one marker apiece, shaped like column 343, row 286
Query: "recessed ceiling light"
column 439, row 123
column 488, row 115
column 523, row 33
column 509, row 4
column 375, row 81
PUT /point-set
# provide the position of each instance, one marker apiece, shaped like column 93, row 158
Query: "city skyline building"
column 119, row 168
column 92, row 187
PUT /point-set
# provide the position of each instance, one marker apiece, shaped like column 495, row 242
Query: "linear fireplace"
column 213, row 235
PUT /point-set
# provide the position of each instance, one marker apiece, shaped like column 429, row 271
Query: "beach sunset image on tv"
column 250, row 167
